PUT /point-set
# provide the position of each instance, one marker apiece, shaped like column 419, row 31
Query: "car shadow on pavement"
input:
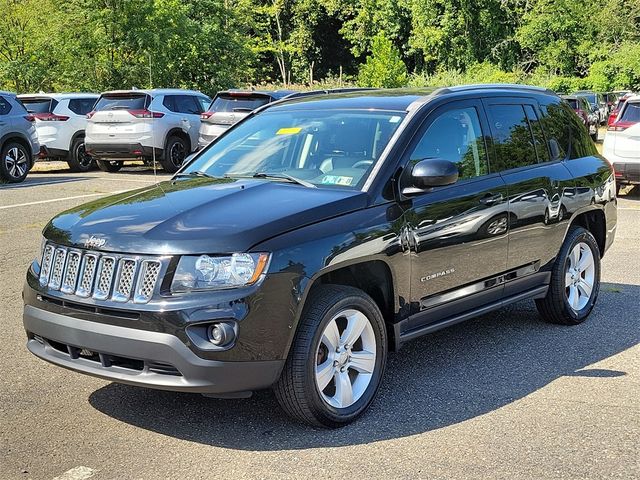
column 442, row 379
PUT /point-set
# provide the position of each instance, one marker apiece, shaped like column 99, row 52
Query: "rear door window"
column 573, row 103
column 512, row 137
column 538, row 135
column 5, row 106
column 182, row 104
column 122, row 102
column 204, row 103
column 81, row 106
column 237, row 103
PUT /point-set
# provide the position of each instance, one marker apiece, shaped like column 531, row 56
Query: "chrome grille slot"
column 71, row 272
column 88, row 269
column 101, row 276
column 106, row 267
column 57, row 268
column 147, row 278
column 45, row 265
column 124, row 279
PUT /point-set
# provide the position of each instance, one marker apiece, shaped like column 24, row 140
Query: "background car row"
column 163, row 126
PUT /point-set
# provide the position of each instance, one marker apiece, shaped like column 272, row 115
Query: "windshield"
column 323, row 147
column 590, row 97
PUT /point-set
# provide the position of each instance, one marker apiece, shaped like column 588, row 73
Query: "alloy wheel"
column 345, row 358
column 16, row 162
column 579, row 276
column 177, row 153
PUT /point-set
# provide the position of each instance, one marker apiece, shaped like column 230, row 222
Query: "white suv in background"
column 622, row 143
column 61, row 120
column 145, row 124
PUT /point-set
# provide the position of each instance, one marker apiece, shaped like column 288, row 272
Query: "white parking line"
column 17, row 205
column 77, row 473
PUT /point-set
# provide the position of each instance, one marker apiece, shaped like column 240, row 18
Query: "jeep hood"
column 198, row 215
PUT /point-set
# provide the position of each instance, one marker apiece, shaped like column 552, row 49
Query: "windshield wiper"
column 284, row 176
column 197, row 173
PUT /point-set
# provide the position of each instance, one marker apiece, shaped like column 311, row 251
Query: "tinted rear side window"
column 231, row 103
column 631, row 113
column 122, row 102
column 81, row 106
column 555, row 122
column 513, row 139
column 538, row 135
column 39, row 105
column 5, row 106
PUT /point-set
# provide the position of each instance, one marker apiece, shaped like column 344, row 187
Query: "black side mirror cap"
column 429, row 173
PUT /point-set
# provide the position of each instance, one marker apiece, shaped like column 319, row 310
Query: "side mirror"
column 434, row 172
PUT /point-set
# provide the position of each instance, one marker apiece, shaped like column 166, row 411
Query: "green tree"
column 384, row 67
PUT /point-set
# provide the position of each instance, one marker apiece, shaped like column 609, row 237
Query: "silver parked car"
column 18, row 139
column 231, row 106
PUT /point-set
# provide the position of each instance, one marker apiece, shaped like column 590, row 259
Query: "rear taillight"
column 620, row 126
column 144, row 113
column 612, row 118
column 91, row 113
column 30, row 118
column 50, row 117
column 206, row 115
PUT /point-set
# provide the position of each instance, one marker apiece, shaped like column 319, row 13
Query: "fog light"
column 220, row 333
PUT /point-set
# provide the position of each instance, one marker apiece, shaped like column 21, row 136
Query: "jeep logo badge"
column 94, row 242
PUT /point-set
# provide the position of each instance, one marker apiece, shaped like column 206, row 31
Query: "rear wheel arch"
column 75, row 136
column 17, row 139
column 178, row 132
column 594, row 221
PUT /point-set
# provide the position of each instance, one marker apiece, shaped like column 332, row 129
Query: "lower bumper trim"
column 132, row 356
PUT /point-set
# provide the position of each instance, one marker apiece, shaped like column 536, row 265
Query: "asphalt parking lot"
column 501, row 396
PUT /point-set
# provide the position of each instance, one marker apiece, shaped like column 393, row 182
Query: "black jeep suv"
column 320, row 233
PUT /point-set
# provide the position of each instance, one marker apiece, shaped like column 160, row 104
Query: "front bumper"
column 131, row 151
column 139, row 357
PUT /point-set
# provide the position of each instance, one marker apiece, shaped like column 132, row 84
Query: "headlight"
column 207, row 272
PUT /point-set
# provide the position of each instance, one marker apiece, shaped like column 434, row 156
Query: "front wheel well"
column 595, row 222
column 372, row 277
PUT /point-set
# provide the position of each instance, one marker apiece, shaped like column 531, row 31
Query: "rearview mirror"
column 429, row 173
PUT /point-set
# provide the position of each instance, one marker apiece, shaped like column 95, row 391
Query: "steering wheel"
column 362, row 164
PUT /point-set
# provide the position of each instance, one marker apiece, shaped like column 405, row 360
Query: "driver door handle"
column 491, row 199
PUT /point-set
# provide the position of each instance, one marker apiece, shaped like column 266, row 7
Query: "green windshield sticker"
column 337, row 180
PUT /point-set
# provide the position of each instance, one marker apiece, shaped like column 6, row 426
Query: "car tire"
column 575, row 280
column 14, row 163
column 331, row 312
column 174, row 154
column 78, row 159
column 110, row 165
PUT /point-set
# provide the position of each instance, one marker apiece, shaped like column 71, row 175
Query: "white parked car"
column 622, row 143
column 61, row 120
column 160, row 124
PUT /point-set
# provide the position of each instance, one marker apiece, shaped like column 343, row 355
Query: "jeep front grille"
column 101, row 276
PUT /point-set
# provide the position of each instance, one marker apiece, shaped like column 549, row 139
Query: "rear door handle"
column 491, row 198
